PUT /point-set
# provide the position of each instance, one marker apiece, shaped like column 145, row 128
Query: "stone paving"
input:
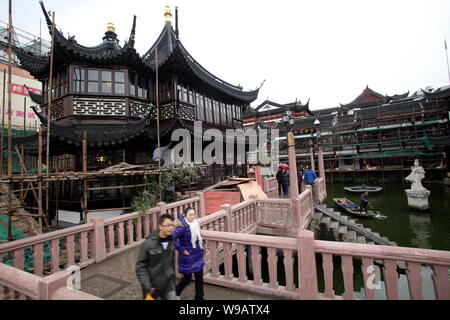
column 115, row 279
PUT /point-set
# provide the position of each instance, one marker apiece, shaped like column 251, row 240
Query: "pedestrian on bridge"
column 189, row 243
column 155, row 267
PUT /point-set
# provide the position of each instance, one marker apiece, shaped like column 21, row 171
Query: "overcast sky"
column 328, row 51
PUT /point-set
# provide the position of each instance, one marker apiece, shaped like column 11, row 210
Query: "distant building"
column 373, row 132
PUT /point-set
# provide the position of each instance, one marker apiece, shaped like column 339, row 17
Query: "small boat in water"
column 353, row 209
column 363, row 189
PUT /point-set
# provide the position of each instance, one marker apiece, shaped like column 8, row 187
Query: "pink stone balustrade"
column 275, row 213
column 320, row 189
column 306, row 205
column 241, row 217
column 67, row 247
column 414, row 258
column 16, row 284
column 221, row 246
column 270, row 186
column 92, row 242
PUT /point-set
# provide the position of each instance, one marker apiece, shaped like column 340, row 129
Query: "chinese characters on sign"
column 18, row 89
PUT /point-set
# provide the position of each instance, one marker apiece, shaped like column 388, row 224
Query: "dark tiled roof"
column 167, row 45
column 440, row 93
column 281, row 108
column 68, row 50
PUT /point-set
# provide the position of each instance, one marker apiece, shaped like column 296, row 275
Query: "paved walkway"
column 115, row 279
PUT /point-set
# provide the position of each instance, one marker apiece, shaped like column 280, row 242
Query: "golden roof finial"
column 111, row 27
column 168, row 14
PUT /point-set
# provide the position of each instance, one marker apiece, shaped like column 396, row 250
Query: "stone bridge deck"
column 115, row 279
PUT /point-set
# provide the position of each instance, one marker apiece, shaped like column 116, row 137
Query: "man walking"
column 155, row 264
column 310, row 176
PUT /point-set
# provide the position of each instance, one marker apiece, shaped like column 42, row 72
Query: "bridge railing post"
column 201, row 207
column 49, row 285
column 307, row 272
column 228, row 220
column 98, row 239
column 255, row 214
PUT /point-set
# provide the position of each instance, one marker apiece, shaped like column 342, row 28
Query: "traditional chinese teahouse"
column 99, row 108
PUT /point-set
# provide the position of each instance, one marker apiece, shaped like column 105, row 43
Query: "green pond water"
column 429, row 229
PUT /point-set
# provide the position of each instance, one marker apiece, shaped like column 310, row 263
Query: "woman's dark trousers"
column 198, row 276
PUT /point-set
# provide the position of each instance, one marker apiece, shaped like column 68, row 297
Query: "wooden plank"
column 250, row 188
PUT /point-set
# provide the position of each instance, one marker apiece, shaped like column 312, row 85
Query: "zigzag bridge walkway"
column 241, row 263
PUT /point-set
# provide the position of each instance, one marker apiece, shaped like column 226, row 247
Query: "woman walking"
column 189, row 243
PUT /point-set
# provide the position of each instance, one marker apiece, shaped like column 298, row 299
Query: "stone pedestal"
column 418, row 199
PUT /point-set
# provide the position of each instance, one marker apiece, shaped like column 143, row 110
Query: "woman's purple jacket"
column 182, row 240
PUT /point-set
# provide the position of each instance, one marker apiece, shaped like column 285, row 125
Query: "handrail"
column 211, row 217
column 250, row 239
column 428, row 256
column 17, row 244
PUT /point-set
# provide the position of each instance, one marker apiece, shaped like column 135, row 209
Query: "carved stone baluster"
column 139, row 229
column 130, row 232
column 242, row 262
column 38, row 259
column 70, row 250
column 222, row 224
column 272, row 259
column 441, row 282
column 154, row 222
column 289, row 269
column 327, row 266
column 6, row 293
column 347, row 270
column 390, row 278
column 146, row 225
column 212, row 247
column 55, row 255
column 228, row 262
column 414, row 280
column 120, row 233
column 18, row 259
column 111, row 245
column 84, row 246
column 368, row 271
column 256, row 263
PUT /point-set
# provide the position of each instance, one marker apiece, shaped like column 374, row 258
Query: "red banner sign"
column 18, row 89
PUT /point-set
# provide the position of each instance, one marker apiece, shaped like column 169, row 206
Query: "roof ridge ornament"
column 168, row 14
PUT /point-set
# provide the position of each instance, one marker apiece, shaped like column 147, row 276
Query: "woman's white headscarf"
column 194, row 226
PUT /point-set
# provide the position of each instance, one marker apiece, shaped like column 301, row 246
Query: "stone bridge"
column 288, row 266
